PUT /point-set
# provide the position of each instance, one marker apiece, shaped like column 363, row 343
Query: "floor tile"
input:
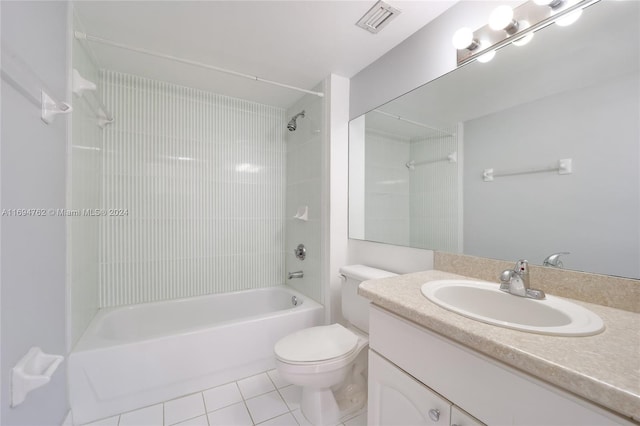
column 233, row 415
column 181, row 409
column 266, row 406
column 283, row 420
column 300, row 418
column 255, row 385
column 291, row 395
column 198, row 421
column 222, row 396
column 111, row 421
column 360, row 420
column 276, row 379
column 149, row 416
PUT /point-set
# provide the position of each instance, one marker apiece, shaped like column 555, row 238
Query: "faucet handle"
column 522, row 267
column 553, row 260
column 506, row 275
column 505, row 279
column 522, row 270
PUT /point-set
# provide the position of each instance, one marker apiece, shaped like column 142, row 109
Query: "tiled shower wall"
column 83, row 192
column 387, row 188
column 196, row 185
column 436, row 195
column 305, row 168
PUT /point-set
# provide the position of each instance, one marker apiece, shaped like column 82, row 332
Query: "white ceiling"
column 293, row 42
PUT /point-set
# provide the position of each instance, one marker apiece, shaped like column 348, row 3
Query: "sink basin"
column 483, row 301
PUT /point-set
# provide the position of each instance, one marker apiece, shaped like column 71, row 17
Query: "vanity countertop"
column 604, row 369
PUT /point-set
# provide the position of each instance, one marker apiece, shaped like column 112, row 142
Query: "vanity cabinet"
column 460, row 418
column 396, row 398
column 413, row 370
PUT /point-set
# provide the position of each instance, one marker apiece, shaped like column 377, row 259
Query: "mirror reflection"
column 532, row 154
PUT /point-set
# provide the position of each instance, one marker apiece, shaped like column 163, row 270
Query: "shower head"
column 292, row 125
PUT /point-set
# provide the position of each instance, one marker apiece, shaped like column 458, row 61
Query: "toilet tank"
column 355, row 308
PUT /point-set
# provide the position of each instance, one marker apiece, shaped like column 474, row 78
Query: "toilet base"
column 330, row 389
column 319, row 406
column 322, row 406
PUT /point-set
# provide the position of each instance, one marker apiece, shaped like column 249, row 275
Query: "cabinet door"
column 460, row 418
column 397, row 399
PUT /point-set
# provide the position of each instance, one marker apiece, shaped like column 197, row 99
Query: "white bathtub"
column 134, row 356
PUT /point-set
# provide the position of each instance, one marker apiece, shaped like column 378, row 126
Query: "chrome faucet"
column 297, row 274
column 516, row 281
column 553, row 260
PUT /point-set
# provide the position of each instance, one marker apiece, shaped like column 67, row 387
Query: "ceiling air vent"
column 377, row 17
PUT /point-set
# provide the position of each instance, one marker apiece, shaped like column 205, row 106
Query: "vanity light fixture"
column 553, row 4
column 502, row 19
column 514, row 25
column 486, row 57
column 463, row 39
column 526, row 38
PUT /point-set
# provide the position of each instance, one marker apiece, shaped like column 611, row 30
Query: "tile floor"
column 263, row 399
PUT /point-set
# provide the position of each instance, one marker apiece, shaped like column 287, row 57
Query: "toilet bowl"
column 319, row 359
column 330, row 362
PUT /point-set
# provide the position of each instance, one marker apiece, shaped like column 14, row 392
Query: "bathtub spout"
column 297, row 274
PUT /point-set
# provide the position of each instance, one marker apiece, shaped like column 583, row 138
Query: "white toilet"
column 330, row 362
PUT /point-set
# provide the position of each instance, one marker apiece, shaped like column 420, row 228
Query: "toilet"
column 330, row 362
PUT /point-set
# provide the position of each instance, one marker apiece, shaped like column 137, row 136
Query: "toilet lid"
column 316, row 344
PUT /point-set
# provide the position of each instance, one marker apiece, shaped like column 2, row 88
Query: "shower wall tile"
column 434, row 194
column 387, row 188
column 304, row 188
column 202, row 179
column 85, row 158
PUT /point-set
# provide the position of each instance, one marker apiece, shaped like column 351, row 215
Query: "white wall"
column 304, row 189
column 32, row 175
column 398, row 259
column 337, row 206
column 589, row 212
column 202, row 177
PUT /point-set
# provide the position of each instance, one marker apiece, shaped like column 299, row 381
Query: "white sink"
column 484, row 302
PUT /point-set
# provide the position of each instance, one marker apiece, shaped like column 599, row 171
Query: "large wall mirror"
column 536, row 152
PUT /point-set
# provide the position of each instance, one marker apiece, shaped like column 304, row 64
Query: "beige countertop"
column 604, row 369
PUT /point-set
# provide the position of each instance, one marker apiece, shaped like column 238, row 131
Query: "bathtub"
column 134, row 356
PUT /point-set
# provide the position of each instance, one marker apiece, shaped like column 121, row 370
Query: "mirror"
column 534, row 153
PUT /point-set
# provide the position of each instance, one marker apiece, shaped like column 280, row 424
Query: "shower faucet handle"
column 300, row 252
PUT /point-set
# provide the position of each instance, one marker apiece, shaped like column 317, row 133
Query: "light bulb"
column 569, row 18
column 526, row 39
column 486, row 57
column 463, row 38
column 501, row 18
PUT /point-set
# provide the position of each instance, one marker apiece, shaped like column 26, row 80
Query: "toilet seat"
column 317, row 345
